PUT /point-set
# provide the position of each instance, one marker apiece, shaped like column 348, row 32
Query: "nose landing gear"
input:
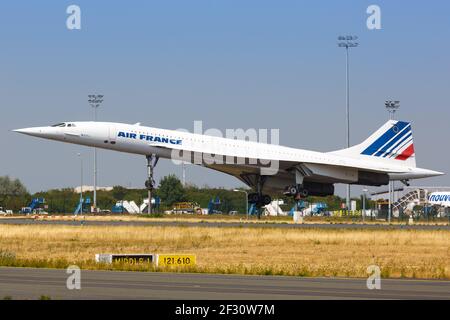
column 152, row 160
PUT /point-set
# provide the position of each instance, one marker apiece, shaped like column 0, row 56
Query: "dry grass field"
column 300, row 252
column 186, row 218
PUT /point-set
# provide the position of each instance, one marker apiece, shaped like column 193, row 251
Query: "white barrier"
column 162, row 260
column 125, row 258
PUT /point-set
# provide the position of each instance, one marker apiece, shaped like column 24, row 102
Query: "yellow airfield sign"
column 176, row 260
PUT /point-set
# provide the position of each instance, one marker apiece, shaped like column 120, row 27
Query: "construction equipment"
column 274, row 209
column 83, row 205
column 156, row 202
column 315, row 209
column 125, row 207
column 5, row 212
column 186, row 207
column 253, row 210
column 213, row 206
column 35, row 204
column 298, row 206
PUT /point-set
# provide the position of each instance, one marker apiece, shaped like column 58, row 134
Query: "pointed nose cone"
column 30, row 131
column 43, row 132
column 437, row 173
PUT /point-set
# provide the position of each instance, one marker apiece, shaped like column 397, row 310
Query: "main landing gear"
column 297, row 191
column 258, row 198
column 152, row 160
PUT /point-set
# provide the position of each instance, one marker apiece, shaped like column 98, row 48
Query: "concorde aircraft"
column 387, row 155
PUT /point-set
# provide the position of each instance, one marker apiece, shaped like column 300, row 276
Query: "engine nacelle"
column 316, row 189
column 373, row 179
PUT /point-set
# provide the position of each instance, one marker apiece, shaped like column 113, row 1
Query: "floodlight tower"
column 364, row 204
column 391, row 107
column 95, row 100
column 81, row 181
column 184, row 173
column 348, row 42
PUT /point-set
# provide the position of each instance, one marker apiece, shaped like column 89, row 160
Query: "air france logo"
column 150, row 138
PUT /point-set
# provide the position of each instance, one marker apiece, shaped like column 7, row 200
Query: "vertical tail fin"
column 392, row 142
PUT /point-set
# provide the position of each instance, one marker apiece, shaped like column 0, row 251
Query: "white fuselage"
column 137, row 139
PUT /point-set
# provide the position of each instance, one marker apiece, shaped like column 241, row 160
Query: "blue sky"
column 231, row 64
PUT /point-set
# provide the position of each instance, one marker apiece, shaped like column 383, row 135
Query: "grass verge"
column 271, row 251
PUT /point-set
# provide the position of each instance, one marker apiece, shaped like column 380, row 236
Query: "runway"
column 206, row 224
column 28, row 283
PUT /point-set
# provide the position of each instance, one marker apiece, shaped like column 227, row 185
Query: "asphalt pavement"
column 29, row 283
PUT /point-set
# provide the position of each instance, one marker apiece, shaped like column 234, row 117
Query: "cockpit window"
column 59, row 125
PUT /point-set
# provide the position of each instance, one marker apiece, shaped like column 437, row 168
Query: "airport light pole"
column 392, row 107
column 348, row 42
column 95, row 100
column 184, row 173
column 246, row 199
column 81, row 180
column 364, row 204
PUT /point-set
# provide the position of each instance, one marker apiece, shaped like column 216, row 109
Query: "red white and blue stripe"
column 396, row 143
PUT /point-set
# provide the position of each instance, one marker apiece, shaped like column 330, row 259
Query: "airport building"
column 90, row 189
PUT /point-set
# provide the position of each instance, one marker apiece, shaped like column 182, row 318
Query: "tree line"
column 14, row 196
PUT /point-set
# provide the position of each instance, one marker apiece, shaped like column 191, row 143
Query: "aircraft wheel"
column 303, row 192
column 266, row 200
column 293, row 190
column 253, row 198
